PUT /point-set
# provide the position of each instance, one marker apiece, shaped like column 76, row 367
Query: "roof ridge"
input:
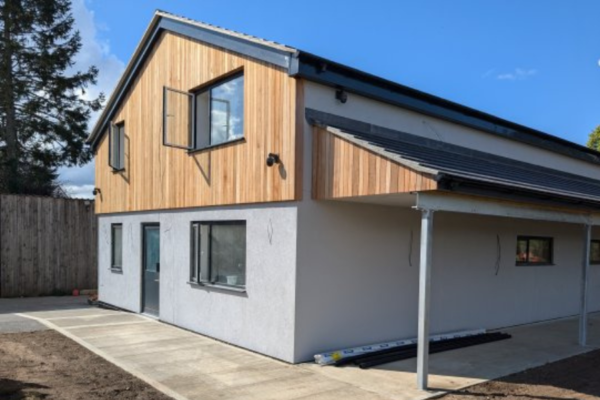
column 226, row 31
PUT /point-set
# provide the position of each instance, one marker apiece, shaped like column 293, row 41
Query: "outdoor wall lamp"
column 341, row 95
column 96, row 191
column 273, row 158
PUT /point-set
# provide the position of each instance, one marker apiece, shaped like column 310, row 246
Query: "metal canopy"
column 431, row 202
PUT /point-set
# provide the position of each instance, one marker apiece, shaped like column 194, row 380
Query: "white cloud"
column 94, row 51
column 519, row 74
column 79, row 191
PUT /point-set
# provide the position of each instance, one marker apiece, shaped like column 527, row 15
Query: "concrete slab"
column 10, row 323
column 190, row 366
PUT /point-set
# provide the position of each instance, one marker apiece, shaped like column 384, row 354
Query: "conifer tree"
column 43, row 109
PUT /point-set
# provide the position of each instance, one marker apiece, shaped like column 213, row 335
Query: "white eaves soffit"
column 500, row 208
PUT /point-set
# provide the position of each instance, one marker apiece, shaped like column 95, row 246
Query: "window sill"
column 215, row 146
column 234, row 289
column 525, row 264
column 116, row 171
column 116, row 270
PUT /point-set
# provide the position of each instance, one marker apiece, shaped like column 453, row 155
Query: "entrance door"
column 151, row 269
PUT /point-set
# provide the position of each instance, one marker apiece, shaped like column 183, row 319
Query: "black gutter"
column 326, row 72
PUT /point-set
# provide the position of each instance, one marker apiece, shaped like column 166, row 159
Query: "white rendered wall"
column 356, row 285
column 262, row 319
column 322, row 98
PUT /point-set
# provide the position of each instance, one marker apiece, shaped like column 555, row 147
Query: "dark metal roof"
column 462, row 169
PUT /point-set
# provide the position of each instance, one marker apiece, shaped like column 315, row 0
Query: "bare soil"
column 48, row 365
column 572, row 378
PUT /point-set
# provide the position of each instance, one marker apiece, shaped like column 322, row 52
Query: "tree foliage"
column 594, row 139
column 44, row 112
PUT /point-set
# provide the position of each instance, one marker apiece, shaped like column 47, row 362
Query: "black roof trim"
column 321, row 70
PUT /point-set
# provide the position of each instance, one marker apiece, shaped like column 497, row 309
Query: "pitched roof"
column 308, row 66
column 462, row 169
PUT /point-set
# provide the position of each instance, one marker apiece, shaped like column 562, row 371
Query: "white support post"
column 424, row 295
column 583, row 316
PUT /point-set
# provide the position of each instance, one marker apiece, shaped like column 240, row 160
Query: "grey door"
column 151, row 269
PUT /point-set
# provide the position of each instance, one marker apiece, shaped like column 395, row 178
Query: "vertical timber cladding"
column 343, row 169
column 159, row 177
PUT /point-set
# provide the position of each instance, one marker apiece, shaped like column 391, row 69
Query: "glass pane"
column 194, row 250
column 522, row 250
column 228, row 254
column 227, row 111
column 117, row 246
column 177, row 118
column 121, row 154
column 152, row 249
column 539, row 251
column 114, row 147
column 204, row 252
column 595, row 252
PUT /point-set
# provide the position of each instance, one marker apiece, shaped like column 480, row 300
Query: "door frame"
column 144, row 225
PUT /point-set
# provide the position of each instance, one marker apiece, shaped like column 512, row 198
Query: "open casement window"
column 116, row 146
column 218, row 253
column 178, row 118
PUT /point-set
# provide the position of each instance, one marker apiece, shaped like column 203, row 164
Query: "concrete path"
column 186, row 365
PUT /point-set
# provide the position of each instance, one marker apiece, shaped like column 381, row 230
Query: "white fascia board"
column 482, row 206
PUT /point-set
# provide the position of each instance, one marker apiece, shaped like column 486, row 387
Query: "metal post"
column 424, row 286
column 583, row 316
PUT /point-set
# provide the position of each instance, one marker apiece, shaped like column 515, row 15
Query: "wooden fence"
column 47, row 246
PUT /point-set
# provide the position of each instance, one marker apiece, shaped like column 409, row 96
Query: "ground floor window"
column 218, row 253
column 595, row 252
column 533, row 250
column 116, row 244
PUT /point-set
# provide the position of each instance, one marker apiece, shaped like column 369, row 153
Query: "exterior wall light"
column 96, row 191
column 341, row 95
column 273, row 158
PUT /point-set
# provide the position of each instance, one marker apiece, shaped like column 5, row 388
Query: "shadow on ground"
column 17, row 390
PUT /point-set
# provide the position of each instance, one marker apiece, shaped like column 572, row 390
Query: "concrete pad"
column 10, row 323
column 185, row 365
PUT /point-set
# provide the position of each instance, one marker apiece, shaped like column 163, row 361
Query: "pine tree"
column 43, row 112
column 594, row 139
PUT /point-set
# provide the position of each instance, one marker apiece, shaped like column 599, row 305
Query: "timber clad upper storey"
column 156, row 176
column 199, row 109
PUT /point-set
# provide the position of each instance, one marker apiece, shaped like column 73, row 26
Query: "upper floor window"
column 220, row 113
column 116, row 146
column 211, row 116
column 534, row 250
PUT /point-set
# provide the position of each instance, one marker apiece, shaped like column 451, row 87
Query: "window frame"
column 195, row 272
column 207, row 88
column 528, row 263
column 120, row 131
column 113, row 266
column 192, row 116
column 592, row 262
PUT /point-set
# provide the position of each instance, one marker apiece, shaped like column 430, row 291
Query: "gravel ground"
column 573, row 378
column 48, row 365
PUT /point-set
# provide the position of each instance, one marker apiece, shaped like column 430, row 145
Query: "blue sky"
column 534, row 62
